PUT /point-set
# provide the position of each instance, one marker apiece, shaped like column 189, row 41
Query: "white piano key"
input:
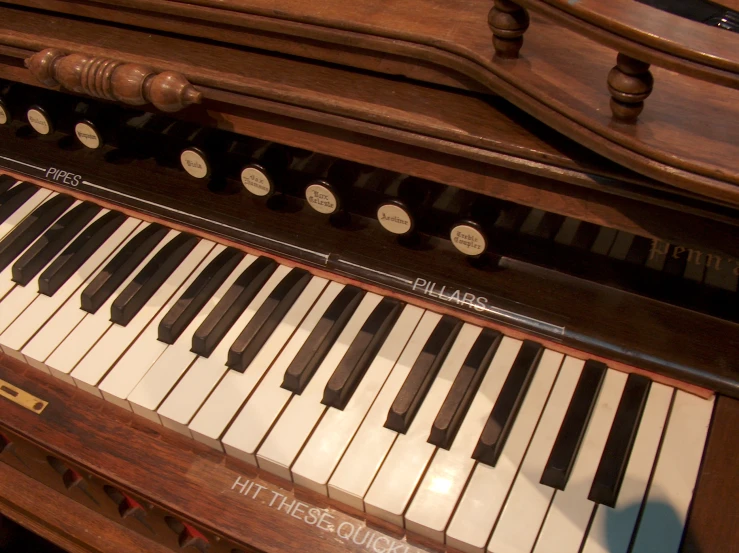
column 612, row 528
column 404, row 465
column 695, row 267
column 143, row 353
column 331, row 437
column 488, row 487
column 448, row 472
column 183, row 402
column 65, row 320
column 621, row 245
column 527, row 504
column 12, row 305
column 279, row 450
column 666, row 508
column 23, row 211
column 365, row 454
column 570, row 512
column 149, row 393
column 92, row 327
column 721, row 274
column 532, row 221
column 6, row 275
column 252, row 424
column 566, row 233
column 43, row 307
column 604, row 241
column 214, row 416
column 102, row 356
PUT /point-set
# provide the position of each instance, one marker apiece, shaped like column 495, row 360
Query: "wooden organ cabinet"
column 370, row 276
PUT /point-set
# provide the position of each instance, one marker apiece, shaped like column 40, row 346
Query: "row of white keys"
column 20, row 297
column 143, row 353
column 214, row 416
column 54, row 331
column 529, row 499
column 256, row 418
column 569, row 514
column 101, row 357
column 447, row 474
column 675, row 475
column 329, row 440
column 364, row 456
column 282, row 445
column 43, row 307
column 406, row 462
column 6, row 275
column 73, row 347
column 165, row 372
column 612, row 527
column 482, row 501
column 206, row 372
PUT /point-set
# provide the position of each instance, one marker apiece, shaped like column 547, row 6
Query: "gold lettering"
column 658, row 248
column 677, row 251
column 710, row 259
column 694, row 256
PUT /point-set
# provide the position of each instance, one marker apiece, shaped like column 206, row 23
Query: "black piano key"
column 265, row 320
column 615, row 458
column 321, row 339
column 46, row 248
column 360, row 354
column 231, row 306
column 197, row 295
column 6, row 182
column 585, row 235
column 639, row 250
column 31, row 228
column 11, row 200
column 422, row 374
column 675, row 264
column 498, row 427
column 78, row 252
column 549, row 226
column 564, row 451
column 149, row 279
column 464, row 388
column 118, row 269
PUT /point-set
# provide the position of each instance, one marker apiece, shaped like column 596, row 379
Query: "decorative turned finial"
column 630, row 83
column 509, row 22
column 130, row 83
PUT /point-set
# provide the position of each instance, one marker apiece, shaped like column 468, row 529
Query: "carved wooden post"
column 508, row 21
column 130, row 83
column 629, row 83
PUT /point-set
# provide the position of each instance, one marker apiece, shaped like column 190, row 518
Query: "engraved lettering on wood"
column 130, row 83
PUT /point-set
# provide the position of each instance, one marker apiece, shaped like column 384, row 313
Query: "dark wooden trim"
column 679, row 159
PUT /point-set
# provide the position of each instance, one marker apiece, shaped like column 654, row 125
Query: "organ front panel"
column 398, row 277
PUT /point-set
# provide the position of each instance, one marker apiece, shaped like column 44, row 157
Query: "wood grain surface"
column 61, row 520
column 552, row 80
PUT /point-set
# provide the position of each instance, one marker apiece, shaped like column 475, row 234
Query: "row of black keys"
column 49, row 243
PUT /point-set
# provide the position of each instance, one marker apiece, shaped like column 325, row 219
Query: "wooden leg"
column 508, row 21
column 629, row 83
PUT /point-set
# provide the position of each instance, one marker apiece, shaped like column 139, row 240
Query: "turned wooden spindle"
column 99, row 77
column 629, row 82
column 508, row 21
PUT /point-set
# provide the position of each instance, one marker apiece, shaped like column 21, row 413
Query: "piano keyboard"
column 454, row 432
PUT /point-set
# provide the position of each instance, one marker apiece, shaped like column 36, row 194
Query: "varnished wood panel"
column 553, row 81
column 63, row 521
column 714, row 518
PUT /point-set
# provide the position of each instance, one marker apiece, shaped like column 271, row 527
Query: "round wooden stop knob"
column 130, row 83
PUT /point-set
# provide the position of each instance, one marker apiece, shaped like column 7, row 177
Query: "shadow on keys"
column 659, row 531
